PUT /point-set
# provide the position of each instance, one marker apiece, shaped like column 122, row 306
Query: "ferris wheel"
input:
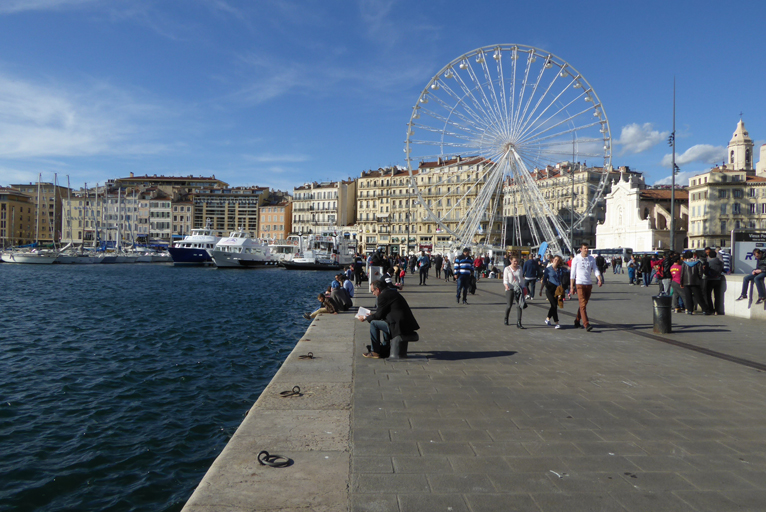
column 517, row 109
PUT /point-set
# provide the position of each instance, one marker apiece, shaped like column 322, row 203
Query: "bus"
column 623, row 252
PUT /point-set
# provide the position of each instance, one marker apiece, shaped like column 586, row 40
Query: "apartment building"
column 183, row 217
column 48, row 213
column 729, row 196
column 321, row 206
column 275, row 220
column 17, row 217
column 229, row 209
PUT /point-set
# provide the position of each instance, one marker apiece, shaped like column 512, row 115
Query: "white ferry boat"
column 324, row 251
column 285, row 250
column 238, row 250
column 195, row 249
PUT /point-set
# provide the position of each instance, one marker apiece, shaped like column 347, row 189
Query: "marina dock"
column 487, row 417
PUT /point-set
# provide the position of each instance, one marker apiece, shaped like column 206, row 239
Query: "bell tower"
column 740, row 150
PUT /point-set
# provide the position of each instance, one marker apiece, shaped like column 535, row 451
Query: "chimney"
column 131, row 174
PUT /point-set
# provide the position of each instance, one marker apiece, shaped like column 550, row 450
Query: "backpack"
column 661, row 269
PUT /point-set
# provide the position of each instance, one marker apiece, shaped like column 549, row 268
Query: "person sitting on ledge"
column 392, row 318
column 329, row 305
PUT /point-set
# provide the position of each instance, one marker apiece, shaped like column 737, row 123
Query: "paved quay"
column 486, row 417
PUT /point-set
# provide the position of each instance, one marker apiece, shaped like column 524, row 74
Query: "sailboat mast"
column 37, row 213
column 69, row 209
column 55, row 189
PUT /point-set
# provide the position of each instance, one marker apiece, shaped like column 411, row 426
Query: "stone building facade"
column 729, row 196
column 638, row 217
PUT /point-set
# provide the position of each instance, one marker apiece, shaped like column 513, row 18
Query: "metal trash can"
column 662, row 316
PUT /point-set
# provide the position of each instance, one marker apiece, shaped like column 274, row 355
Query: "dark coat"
column 691, row 275
column 393, row 308
column 646, row 264
column 340, row 295
column 331, row 305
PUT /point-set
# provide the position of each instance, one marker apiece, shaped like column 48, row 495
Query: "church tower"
column 740, row 150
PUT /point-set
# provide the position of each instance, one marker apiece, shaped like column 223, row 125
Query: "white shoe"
column 547, row 322
column 557, row 326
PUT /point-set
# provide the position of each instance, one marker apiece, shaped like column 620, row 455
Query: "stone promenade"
column 486, row 417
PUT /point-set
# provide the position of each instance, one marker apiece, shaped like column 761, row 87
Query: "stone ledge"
column 312, row 429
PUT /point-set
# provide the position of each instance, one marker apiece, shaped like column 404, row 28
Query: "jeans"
column 530, row 284
column 758, row 278
column 509, row 296
column 553, row 312
column 463, row 282
column 423, row 274
column 379, row 329
column 647, row 278
column 583, row 296
column 693, row 297
column 715, row 287
column 665, row 283
column 677, row 294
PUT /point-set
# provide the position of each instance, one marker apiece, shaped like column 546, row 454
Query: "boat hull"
column 291, row 265
column 29, row 259
column 191, row 257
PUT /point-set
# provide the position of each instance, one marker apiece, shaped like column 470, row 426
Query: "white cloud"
column 682, row 178
column 269, row 158
column 701, row 153
column 43, row 120
column 14, row 6
column 636, row 138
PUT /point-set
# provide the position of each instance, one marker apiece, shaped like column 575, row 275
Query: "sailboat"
column 34, row 255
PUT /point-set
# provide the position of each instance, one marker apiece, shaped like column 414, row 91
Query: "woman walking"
column 555, row 284
column 512, row 280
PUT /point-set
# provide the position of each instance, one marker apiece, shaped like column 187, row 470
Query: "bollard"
column 662, row 314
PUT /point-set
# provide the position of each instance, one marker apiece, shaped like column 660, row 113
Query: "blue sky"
column 277, row 93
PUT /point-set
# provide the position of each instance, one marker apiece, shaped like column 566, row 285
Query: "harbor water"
column 120, row 384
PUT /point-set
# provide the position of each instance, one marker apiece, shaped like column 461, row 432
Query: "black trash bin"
column 662, row 316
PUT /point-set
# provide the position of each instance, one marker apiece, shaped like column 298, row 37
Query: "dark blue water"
column 120, row 384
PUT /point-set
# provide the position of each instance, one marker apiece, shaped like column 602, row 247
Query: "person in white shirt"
column 513, row 282
column 580, row 280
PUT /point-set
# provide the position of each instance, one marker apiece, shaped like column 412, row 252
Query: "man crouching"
column 392, row 318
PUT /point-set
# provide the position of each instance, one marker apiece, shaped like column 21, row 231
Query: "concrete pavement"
column 488, row 417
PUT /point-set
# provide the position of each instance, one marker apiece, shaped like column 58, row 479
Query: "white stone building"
column 639, row 218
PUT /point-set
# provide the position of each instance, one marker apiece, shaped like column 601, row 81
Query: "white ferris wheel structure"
column 519, row 109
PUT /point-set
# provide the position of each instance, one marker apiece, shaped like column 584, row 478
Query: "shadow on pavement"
column 443, row 355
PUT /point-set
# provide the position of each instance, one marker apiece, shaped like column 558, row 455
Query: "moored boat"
column 195, row 249
column 238, row 250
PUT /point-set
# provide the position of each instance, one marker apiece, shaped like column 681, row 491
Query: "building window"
column 753, row 208
column 735, row 209
column 723, row 226
column 723, row 209
column 722, row 194
column 737, row 193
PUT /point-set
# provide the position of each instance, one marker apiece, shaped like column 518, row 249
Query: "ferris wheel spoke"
column 520, row 125
column 444, row 119
column 473, row 118
column 498, row 56
column 478, row 85
column 577, row 128
column 502, row 127
column 555, row 115
column 522, row 89
column 443, row 132
column 529, row 123
column 467, row 93
column 553, row 102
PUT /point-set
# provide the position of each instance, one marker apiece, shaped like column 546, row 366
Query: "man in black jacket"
column 392, row 318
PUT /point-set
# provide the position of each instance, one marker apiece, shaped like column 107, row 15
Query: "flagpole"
column 673, row 177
